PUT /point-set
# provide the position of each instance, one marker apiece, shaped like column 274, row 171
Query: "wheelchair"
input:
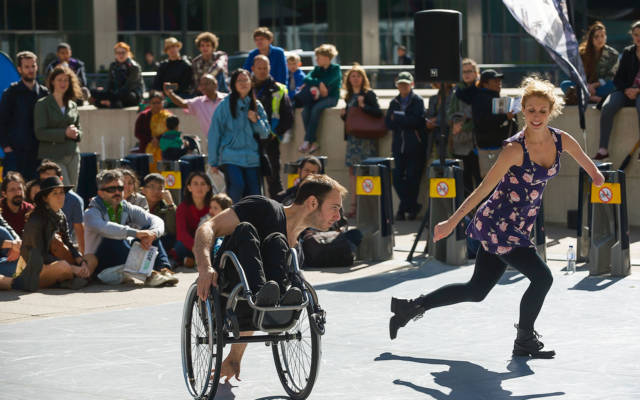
column 293, row 332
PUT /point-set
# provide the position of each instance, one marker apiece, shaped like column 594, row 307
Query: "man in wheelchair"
column 260, row 231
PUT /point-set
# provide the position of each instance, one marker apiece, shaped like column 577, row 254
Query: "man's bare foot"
column 229, row 369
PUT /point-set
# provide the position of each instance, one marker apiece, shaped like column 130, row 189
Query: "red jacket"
column 187, row 219
column 143, row 129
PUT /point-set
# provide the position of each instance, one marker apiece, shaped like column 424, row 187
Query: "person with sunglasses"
column 109, row 223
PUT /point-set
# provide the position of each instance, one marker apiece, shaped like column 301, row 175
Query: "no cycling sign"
column 608, row 193
column 442, row 188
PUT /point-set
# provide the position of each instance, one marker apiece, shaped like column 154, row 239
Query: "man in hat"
column 405, row 117
column 175, row 69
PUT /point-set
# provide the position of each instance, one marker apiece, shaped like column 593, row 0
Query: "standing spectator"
column 57, row 123
column 461, row 139
column 232, row 146
column 263, row 38
column 405, row 117
column 150, row 125
column 210, row 61
column 73, row 207
column 161, row 205
column 403, row 57
column 175, row 69
column 63, row 57
column 296, row 75
column 432, row 117
column 150, row 64
column 15, row 210
column 131, row 189
column 627, row 83
column 360, row 95
column 203, row 106
column 276, row 103
column 17, row 135
column 327, row 77
column 195, row 205
column 110, row 221
column 10, row 244
column 125, row 85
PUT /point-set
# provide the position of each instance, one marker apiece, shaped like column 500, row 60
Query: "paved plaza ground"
column 123, row 342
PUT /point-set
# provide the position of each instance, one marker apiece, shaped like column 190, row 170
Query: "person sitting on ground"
column 110, row 221
column 132, row 189
column 63, row 57
column 296, row 75
column 627, row 92
column 309, row 165
column 195, row 204
column 161, row 205
column 210, row 61
column 172, row 144
column 13, row 207
column 10, row 244
column 263, row 38
column 176, row 69
column 47, row 230
column 73, row 207
column 326, row 76
column 150, row 125
column 219, row 202
column 260, row 232
column 31, row 188
column 125, row 85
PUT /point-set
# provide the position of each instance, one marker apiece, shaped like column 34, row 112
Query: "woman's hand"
column 71, row 132
column 598, row 178
column 442, row 230
column 324, row 92
column 361, row 101
column 253, row 116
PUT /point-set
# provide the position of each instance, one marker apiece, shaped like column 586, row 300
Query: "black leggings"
column 488, row 270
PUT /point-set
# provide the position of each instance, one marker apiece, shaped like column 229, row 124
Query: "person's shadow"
column 468, row 380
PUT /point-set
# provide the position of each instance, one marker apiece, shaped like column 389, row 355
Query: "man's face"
column 47, row 173
column 14, row 193
column 206, row 49
column 64, row 54
column 28, row 69
column 111, row 192
column 153, row 192
column 208, row 86
column 494, row 84
column 260, row 70
column 403, row 88
column 292, row 65
column 262, row 43
column 308, row 169
column 328, row 212
column 401, row 52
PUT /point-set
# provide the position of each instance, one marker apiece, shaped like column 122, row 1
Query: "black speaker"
column 438, row 36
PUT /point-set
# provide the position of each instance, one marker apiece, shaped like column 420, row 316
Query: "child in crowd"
column 296, row 76
column 172, row 144
column 218, row 204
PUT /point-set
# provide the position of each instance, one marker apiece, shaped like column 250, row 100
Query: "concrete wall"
column 560, row 195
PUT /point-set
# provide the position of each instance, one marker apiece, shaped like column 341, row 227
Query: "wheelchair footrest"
column 274, row 320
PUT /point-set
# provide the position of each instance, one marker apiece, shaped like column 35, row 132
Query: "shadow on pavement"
column 468, row 380
column 510, row 277
column 596, row 283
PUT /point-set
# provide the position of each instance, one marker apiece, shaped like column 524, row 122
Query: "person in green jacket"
column 171, row 143
column 327, row 77
column 57, row 123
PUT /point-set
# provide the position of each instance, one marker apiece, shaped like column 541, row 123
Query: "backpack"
column 327, row 249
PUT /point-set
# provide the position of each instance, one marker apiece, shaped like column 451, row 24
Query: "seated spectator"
column 296, row 75
column 405, row 117
column 627, row 90
column 403, row 57
column 14, row 209
column 150, row 125
column 308, row 166
column 219, row 202
column 203, row 106
column 360, row 95
column 327, row 77
column 263, row 38
column 10, row 244
column 172, row 144
column 150, row 64
column 125, row 85
column 210, row 61
column 175, row 69
column 195, row 204
column 73, row 207
column 63, row 57
column 109, row 223
column 131, row 189
column 45, row 231
column 600, row 63
column 31, row 188
column 161, row 205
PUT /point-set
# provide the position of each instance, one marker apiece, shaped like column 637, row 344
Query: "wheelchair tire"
column 202, row 343
column 298, row 360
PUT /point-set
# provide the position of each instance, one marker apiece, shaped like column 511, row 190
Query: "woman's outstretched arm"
column 571, row 146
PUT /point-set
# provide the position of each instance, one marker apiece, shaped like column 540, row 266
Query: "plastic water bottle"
column 571, row 260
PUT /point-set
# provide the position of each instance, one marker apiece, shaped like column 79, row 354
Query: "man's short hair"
column 263, row 58
column 25, row 55
column 12, row 176
column 318, row 185
column 264, row 32
column 207, row 37
column 172, row 122
column 311, row 160
column 153, row 177
column 294, row 57
column 63, row 45
column 107, row 176
column 47, row 165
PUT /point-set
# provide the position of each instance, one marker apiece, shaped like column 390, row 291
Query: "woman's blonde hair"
column 366, row 85
column 534, row 86
column 327, row 50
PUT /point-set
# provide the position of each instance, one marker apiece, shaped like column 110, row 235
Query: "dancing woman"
column 504, row 221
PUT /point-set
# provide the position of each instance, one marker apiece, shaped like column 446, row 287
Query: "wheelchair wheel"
column 202, row 343
column 298, row 360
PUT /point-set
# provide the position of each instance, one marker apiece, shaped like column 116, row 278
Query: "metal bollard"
column 584, row 212
column 446, row 194
column 87, row 187
column 609, row 250
column 375, row 209
column 172, row 172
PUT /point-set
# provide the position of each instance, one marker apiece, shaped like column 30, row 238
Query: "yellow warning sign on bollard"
column 292, row 179
column 608, row 193
column 368, row 186
column 172, row 179
column 442, row 188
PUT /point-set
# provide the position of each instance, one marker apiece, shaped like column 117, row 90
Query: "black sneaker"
column 292, row 297
column 268, row 295
column 404, row 311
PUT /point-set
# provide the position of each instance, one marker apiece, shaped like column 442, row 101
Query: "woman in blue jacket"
column 233, row 147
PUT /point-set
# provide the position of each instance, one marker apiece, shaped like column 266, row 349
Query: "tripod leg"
column 423, row 225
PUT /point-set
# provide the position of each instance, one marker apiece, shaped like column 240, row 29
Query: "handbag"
column 364, row 126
